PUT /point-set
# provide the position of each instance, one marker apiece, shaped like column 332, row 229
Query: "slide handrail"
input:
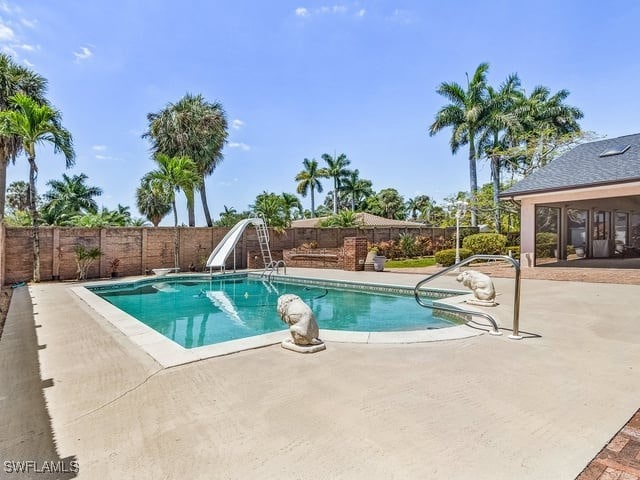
column 516, row 300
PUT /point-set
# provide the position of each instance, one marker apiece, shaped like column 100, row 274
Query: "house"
column 587, row 201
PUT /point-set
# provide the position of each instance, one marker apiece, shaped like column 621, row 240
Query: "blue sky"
column 298, row 79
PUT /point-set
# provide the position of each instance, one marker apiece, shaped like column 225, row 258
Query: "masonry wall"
column 142, row 249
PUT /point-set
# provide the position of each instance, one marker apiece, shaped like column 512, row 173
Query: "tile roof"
column 583, row 166
column 366, row 219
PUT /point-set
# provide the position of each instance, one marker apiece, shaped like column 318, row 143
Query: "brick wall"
column 355, row 253
column 314, row 257
column 141, row 249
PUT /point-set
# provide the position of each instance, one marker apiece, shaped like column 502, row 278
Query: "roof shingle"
column 583, row 166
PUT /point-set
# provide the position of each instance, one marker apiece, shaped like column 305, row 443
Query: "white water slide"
column 218, row 257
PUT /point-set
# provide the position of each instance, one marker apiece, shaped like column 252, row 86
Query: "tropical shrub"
column 344, row 218
column 447, row 257
column 423, row 246
column 485, row 243
column 85, row 258
column 407, row 245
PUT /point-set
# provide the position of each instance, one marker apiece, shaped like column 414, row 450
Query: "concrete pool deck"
column 478, row 407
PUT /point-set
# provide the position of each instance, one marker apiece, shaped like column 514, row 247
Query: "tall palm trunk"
column 191, row 210
column 205, row 205
column 335, row 196
column 495, row 176
column 313, row 204
column 4, row 162
column 473, row 177
column 33, row 172
column 176, row 240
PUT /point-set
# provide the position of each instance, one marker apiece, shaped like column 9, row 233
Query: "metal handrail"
column 516, row 300
column 274, row 266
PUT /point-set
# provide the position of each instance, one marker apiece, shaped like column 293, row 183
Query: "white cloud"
column 103, row 157
column 6, row 34
column 29, row 23
column 242, row 146
column 237, row 124
column 361, row 12
column 6, row 8
column 99, row 148
column 28, row 63
column 325, row 10
column 27, row 48
column 83, row 54
column 336, row 9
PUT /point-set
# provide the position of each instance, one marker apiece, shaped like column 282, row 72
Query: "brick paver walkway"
column 620, row 459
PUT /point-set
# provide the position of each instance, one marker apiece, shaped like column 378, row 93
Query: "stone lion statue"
column 301, row 320
column 481, row 285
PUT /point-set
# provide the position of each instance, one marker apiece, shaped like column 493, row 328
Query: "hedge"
column 446, row 258
column 485, row 243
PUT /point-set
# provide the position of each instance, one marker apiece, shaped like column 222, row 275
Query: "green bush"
column 407, row 245
column 447, row 257
column 546, row 243
column 485, row 243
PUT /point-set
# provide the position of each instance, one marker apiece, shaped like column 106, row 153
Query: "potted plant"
column 114, row 265
column 378, row 262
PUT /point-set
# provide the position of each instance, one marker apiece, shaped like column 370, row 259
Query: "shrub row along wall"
column 140, row 249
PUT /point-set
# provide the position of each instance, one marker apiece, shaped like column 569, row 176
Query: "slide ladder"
column 218, row 257
column 263, row 239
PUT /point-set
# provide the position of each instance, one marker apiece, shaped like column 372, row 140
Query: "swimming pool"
column 194, row 312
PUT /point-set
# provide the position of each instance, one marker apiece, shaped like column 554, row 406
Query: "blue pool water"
column 196, row 312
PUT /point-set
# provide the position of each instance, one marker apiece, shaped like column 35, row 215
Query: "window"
column 615, row 150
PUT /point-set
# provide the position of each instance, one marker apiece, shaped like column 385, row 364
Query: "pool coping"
column 170, row 354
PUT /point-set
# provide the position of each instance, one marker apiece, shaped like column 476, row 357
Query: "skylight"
column 615, row 150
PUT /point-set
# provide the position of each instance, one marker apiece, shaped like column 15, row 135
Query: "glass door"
column 601, row 233
column 621, row 232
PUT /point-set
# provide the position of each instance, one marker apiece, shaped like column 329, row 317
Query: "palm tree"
column 194, row 128
column 502, row 124
column 270, row 207
column 153, row 200
column 391, row 203
column 15, row 79
column 36, row 124
column 174, row 174
column 69, row 197
column 356, row 188
column 336, row 169
column 309, row 181
column 289, row 202
column 466, row 115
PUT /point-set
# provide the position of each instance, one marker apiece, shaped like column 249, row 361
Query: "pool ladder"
column 516, row 296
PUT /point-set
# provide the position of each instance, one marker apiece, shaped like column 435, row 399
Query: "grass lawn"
column 410, row 262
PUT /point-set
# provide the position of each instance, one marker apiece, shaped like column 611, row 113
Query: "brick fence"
column 142, row 248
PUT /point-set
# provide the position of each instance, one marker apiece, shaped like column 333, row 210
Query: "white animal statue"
column 481, row 285
column 301, row 320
